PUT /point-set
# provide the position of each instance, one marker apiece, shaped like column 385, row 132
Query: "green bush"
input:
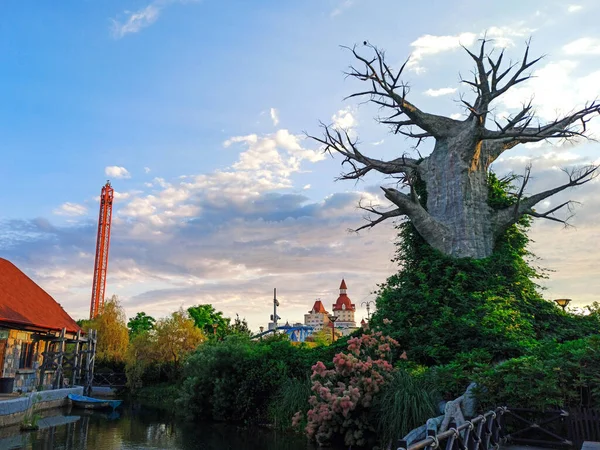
column 236, row 379
column 554, row 375
column 291, row 397
column 406, row 402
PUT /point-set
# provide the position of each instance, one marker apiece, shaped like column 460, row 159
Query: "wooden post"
column 59, row 360
column 76, row 372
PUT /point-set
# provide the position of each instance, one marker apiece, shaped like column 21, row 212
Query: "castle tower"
column 344, row 310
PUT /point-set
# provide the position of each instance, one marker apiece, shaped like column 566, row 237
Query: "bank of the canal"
column 137, row 427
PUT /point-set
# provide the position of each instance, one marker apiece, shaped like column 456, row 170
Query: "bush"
column 292, row 397
column 236, row 379
column 405, row 403
column 343, row 396
column 555, row 375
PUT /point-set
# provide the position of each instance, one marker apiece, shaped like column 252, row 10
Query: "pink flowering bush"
column 343, row 395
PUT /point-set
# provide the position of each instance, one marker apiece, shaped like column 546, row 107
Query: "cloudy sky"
column 195, row 110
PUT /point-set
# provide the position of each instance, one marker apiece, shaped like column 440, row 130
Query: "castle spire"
column 343, row 287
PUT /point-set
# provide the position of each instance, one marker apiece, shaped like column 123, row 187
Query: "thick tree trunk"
column 457, row 198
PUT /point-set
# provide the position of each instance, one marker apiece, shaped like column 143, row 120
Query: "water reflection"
column 136, row 428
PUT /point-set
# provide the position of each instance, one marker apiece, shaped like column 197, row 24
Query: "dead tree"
column 456, row 218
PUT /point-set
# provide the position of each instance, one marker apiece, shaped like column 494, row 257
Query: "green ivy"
column 442, row 306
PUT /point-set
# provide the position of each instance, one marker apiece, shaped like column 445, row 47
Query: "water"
column 136, row 427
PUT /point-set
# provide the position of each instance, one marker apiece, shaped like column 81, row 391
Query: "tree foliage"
column 113, row 336
column 141, row 323
column 206, row 316
column 156, row 355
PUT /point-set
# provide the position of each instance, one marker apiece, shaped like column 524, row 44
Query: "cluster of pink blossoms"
column 342, row 395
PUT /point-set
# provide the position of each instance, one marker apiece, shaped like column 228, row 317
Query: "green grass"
column 405, row 403
column 291, row 398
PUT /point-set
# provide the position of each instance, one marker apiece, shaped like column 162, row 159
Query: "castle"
column 343, row 309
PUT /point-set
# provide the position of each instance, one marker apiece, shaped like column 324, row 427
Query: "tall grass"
column 291, row 398
column 405, row 403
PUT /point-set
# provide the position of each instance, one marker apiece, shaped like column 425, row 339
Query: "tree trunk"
column 457, row 198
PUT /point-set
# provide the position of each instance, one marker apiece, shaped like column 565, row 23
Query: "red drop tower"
column 102, row 244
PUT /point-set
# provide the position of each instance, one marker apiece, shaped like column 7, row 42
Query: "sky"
column 196, row 111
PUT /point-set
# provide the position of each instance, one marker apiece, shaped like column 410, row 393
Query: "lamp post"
column 332, row 319
column 563, row 302
column 261, row 329
column 368, row 305
column 215, row 325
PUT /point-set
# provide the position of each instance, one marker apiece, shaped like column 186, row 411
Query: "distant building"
column 317, row 317
column 344, row 310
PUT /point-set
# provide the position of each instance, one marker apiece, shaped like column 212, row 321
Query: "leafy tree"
column 176, row 336
column 113, row 336
column 141, row 323
column 205, row 317
column 322, row 337
column 239, row 327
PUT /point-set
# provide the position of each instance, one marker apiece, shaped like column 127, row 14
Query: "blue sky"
column 195, row 111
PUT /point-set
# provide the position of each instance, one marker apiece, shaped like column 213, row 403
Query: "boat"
column 81, row 401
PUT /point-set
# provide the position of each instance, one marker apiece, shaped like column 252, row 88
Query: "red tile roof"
column 318, row 308
column 23, row 302
column 343, row 299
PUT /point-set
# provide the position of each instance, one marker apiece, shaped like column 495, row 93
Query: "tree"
column 176, row 336
column 141, row 323
column 113, row 336
column 239, row 326
column 205, row 317
column 452, row 212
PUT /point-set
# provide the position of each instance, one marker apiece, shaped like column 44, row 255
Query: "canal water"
column 135, row 427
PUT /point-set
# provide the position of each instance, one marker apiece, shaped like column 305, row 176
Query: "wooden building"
column 40, row 344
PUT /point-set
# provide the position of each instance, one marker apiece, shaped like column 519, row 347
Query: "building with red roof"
column 30, row 320
column 344, row 310
column 317, row 317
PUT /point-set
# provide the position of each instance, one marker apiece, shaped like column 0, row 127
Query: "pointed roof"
column 318, row 308
column 23, row 302
column 343, row 301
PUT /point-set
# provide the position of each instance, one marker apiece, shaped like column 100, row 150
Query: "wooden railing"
column 110, row 379
column 480, row 433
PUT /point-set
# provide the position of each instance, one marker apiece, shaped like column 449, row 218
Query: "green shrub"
column 236, row 379
column 291, row 397
column 405, row 402
column 554, row 375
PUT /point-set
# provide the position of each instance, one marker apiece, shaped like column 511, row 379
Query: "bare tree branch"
column 341, row 142
column 389, row 92
column 524, row 206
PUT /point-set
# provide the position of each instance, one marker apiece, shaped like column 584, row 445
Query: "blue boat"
column 81, row 401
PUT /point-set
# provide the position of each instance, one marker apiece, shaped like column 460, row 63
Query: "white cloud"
column 456, row 116
column 502, row 36
column 556, row 90
column 344, row 119
column 70, row 209
column 583, row 46
column 307, row 186
column 117, row 172
column 430, row 45
column 142, row 18
column 574, row 8
column 440, row 92
column 135, row 21
column 345, row 4
column 275, row 116
column 146, row 169
column 378, row 142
